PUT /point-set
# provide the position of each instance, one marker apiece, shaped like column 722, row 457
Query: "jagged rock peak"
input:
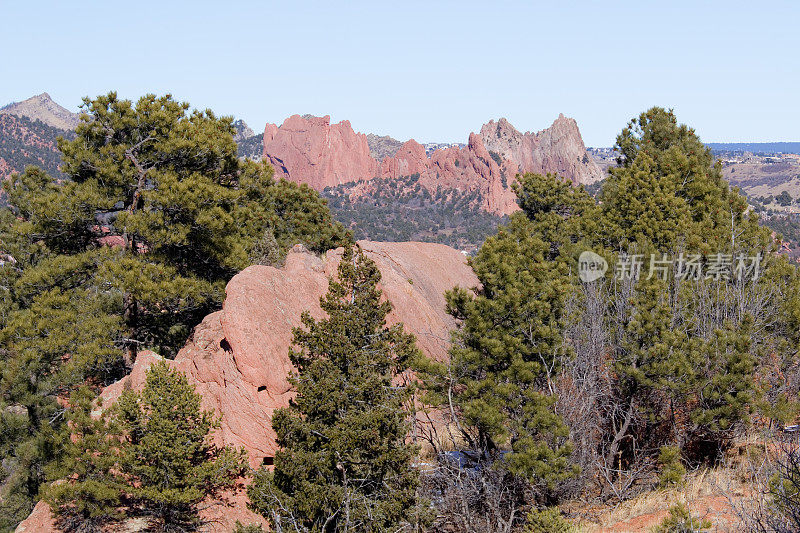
column 311, row 150
column 242, row 130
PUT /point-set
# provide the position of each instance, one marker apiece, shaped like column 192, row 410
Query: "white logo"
column 591, row 267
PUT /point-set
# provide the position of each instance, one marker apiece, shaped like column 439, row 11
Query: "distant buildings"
column 432, row 147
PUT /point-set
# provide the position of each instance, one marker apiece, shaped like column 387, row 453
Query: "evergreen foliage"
column 169, row 462
column 548, row 374
column 547, row 520
column 668, row 192
column 130, row 252
column 672, row 470
column 149, row 455
column 681, row 371
column 84, row 491
column 680, row 520
column 344, row 462
column 509, row 344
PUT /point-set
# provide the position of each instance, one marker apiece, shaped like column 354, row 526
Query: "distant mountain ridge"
column 757, row 148
column 242, row 131
column 29, row 130
column 41, row 107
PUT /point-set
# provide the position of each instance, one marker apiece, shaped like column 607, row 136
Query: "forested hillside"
column 401, row 209
column 25, row 142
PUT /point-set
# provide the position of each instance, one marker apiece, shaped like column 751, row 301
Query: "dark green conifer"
column 86, row 490
column 344, row 462
column 131, row 251
column 509, row 344
column 168, row 460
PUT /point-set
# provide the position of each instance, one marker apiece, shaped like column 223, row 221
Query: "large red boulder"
column 238, row 359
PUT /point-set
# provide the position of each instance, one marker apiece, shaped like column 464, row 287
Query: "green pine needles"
column 345, row 463
column 149, row 455
column 130, row 251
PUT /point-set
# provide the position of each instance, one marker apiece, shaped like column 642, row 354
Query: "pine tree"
column 681, row 520
column 85, row 491
column 669, row 193
column 167, row 185
column 509, row 344
column 168, row 460
column 547, row 520
column 131, row 251
column 561, row 214
column 677, row 346
column 344, row 463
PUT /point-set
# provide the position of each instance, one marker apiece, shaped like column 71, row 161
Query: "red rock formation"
column 558, row 149
column 311, row 150
column 238, row 360
column 238, row 357
column 40, row 520
column 409, row 159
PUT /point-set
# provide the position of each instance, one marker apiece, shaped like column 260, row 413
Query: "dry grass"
column 708, row 493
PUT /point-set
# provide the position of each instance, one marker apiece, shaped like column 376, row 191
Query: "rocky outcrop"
column 238, row 357
column 311, row 150
column 241, row 131
column 40, row 520
column 238, row 360
column 382, row 146
column 42, row 107
column 558, row 149
column 409, row 159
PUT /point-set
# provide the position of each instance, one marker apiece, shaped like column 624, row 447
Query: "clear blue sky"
column 430, row 70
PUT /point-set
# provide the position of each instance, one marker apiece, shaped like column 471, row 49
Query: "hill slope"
column 401, row 209
column 42, row 107
column 25, row 142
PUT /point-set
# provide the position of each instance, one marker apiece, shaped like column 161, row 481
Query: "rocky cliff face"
column 238, row 357
column 42, row 107
column 238, row 360
column 558, row 149
column 242, row 131
column 311, row 150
